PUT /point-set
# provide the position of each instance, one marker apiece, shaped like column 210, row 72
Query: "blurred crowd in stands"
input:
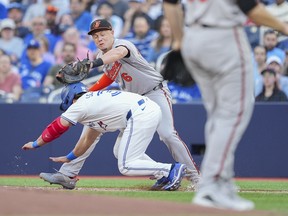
column 38, row 37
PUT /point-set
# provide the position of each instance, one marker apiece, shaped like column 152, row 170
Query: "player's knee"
column 124, row 169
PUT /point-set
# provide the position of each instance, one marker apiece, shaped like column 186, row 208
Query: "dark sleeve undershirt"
column 246, row 5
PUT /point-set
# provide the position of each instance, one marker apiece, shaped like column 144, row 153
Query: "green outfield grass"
column 267, row 195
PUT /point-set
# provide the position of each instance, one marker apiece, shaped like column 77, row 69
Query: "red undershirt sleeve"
column 102, row 83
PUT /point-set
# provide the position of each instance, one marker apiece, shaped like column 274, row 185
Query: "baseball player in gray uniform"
column 218, row 55
column 108, row 111
column 123, row 63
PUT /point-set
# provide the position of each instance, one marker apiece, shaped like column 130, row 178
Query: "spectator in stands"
column 80, row 16
column 35, row 70
column 276, row 64
column 136, row 8
column 162, row 43
column 35, row 10
column 119, row 7
column 39, row 28
column 270, row 41
column 260, row 58
column 105, row 11
column 71, row 35
column 15, row 12
column 44, row 48
column 9, row 42
column 10, row 82
column 62, row 6
column 271, row 92
column 259, row 65
column 65, row 21
column 89, row 4
column 141, row 35
column 154, row 8
column 50, row 16
column 68, row 56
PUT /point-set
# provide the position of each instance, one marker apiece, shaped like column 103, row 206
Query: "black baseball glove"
column 74, row 72
column 174, row 69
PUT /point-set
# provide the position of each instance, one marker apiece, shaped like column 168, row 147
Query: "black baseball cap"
column 268, row 70
column 99, row 25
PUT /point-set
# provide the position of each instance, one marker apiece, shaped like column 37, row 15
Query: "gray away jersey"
column 134, row 73
column 218, row 13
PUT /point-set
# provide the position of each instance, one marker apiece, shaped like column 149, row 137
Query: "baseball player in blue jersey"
column 108, row 111
column 218, row 55
column 123, row 64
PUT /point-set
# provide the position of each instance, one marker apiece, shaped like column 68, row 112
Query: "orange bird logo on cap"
column 96, row 24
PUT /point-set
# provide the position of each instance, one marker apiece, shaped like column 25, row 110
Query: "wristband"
column 35, row 144
column 71, row 156
column 97, row 62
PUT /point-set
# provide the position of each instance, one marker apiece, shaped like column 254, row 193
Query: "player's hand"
column 62, row 159
column 28, row 146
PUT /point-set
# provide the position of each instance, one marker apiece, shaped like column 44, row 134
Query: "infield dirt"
column 16, row 201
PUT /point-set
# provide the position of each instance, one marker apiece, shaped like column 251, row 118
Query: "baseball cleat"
column 175, row 177
column 60, row 179
column 160, row 183
column 219, row 197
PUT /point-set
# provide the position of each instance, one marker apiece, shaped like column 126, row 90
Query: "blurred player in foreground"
column 217, row 53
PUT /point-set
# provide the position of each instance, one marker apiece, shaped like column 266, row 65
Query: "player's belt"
column 159, row 86
column 129, row 114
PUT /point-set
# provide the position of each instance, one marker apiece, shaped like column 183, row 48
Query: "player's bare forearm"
column 102, row 83
column 81, row 147
column 261, row 16
column 85, row 141
column 174, row 15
